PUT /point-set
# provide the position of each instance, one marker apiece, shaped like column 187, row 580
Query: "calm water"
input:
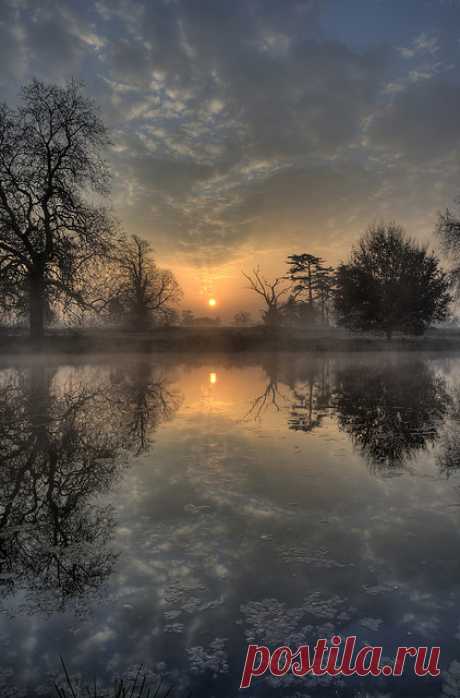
column 170, row 512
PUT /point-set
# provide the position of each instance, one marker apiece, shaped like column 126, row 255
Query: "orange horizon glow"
column 225, row 284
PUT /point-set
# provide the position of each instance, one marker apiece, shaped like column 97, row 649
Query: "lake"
column 166, row 512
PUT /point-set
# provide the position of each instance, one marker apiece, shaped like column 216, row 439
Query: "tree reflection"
column 448, row 458
column 142, row 397
column 270, row 396
column 311, row 390
column 390, row 409
column 305, row 391
column 59, row 441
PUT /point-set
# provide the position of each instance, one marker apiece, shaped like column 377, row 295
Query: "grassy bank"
column 223, row 339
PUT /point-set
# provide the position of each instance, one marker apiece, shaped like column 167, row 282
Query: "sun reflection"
column 213, row 378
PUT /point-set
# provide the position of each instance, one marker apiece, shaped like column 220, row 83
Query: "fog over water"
column 168, row 512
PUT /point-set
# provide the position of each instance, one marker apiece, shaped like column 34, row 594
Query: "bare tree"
column 143, row 293
column 271, row 292
column 50, row 155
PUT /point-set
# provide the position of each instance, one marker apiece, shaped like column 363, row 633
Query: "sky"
column 247, row 130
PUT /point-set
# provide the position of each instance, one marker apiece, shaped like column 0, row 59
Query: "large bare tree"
column 142, row 293
column 51, row 159
column 272, row 293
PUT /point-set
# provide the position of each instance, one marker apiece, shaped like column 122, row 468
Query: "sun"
column 212, row 302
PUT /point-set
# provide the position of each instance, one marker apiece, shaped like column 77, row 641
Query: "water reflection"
column 205, row 531
column 60, row 437
column 448, row 458
column 301, row 387
column 140, row 398
column 312, row 392
column 390, row 410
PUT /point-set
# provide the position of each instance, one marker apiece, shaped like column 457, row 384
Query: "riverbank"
column 222, row 339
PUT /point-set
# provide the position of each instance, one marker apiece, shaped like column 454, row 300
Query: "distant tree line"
column 390, row 284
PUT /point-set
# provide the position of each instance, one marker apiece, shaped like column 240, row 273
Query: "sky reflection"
column 266, row 506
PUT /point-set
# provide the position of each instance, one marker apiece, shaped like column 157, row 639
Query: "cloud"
column 421, row 123
column 424, row 43
column 233, row 121
column 209, row 89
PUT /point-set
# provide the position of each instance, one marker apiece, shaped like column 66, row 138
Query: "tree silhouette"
column 326, row 280
column 312, row 285
column 298, row 313
column 271, row 292
column 141, row 293
column 302, row 272
column 50, row 154
column 390, row 284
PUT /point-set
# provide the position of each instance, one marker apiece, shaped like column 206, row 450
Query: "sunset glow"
column 220, row 178
column 212, row 302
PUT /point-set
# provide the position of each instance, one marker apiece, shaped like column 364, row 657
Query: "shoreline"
column 229, row 340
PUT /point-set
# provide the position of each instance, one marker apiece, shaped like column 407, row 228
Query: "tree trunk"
column 310, row 290
column 272, row 318
column 36, row 305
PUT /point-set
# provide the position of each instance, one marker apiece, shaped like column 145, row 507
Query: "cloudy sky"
column 245, row 130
